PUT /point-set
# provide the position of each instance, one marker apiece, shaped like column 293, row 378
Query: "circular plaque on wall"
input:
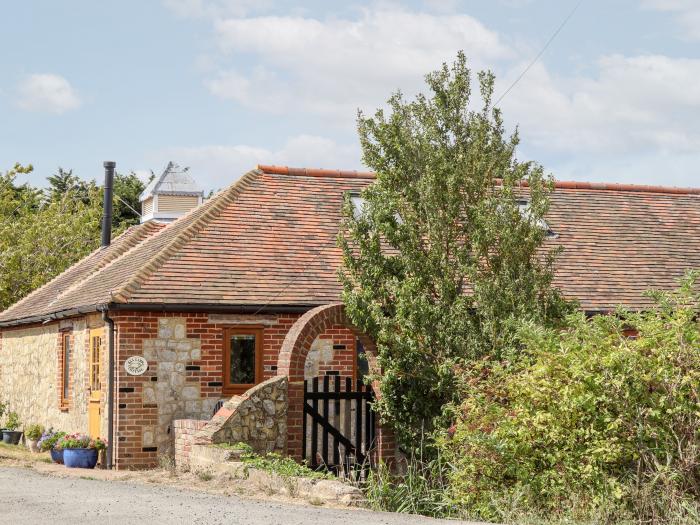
column 136, row 365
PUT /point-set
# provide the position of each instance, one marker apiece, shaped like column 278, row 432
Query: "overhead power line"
column 534, row 61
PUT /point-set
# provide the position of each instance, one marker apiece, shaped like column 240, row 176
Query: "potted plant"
column 49, row 441
column 3, row 409
column 80, row 451
column 32, row 435
column 11, row 435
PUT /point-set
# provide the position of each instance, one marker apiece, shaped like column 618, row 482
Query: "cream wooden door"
column 94, row 410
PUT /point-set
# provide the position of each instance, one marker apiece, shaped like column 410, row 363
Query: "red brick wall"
column 344, row 357
column 184, row 430
column 132, row 414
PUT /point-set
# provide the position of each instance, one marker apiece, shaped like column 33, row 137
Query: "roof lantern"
column 171, row 195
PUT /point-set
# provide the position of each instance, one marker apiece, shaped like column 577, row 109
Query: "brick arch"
column 304, row 332
column 291, row 361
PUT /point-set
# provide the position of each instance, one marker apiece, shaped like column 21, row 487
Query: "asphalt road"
column 29, row 497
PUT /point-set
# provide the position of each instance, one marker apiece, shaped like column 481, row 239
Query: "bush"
column 34, row 432
column 13, row 422
column 49, row 439
column 587, row 420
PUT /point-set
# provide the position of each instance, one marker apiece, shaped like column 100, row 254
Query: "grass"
column 284, row 467
column 205, row 475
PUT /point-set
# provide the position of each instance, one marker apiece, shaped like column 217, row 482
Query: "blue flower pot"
column 80, row 457
column 57, row 455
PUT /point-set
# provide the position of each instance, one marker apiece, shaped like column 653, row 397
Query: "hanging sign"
column 136, row 365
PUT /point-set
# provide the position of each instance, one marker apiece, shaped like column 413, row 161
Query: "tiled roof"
column 44, row 300
column 270, row 239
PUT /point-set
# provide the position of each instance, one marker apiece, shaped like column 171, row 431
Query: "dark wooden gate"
column 338, row 425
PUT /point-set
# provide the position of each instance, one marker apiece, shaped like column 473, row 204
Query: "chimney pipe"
column 107, row 208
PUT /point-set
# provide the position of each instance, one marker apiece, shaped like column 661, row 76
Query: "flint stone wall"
column 258, row 418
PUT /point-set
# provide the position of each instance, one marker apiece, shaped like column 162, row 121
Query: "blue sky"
column 220, row 85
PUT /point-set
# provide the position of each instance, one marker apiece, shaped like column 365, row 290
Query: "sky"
column 222, row 85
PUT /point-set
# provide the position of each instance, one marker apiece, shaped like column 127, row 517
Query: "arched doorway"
column 292, row 360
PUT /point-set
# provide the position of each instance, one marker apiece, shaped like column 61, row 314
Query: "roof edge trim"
column 561, row 184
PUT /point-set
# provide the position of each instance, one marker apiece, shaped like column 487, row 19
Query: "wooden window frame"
column 259, row 332
column 66, row 335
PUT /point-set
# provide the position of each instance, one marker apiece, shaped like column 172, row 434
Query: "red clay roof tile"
column 270, row 238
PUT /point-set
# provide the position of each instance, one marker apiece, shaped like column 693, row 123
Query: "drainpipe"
column 107, row 207
column 110, row 389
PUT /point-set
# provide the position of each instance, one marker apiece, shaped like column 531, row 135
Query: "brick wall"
column 144, row 412
column 185, row 430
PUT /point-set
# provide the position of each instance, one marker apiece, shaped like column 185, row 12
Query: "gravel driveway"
column 29, row 497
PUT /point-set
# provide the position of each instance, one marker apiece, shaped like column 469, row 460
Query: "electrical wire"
column 534, row 61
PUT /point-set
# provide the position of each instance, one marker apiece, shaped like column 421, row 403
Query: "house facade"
column 192, row 312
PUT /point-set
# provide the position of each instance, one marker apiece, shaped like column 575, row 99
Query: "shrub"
column 13, row 422
column 49, row 439
column 3, row 409
column 34, row 432
column 587, row 418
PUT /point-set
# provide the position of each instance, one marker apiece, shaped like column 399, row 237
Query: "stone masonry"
column 174, row 395
column 258, row 418
column 30, row 369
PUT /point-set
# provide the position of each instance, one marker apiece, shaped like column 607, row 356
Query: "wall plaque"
column 136, row 365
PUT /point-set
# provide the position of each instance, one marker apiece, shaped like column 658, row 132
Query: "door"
column 94, row 410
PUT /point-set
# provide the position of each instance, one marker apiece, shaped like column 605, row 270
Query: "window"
column 358, row 205
column 524, row 208
column 65, row 369
column 361, row 363
column 242, row 361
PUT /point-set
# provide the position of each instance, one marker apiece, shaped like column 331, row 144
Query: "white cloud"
column 330, row 67
column 632, row 104
column 47, row 93
column 216, row 166
column 687, row 14
column 630, row 115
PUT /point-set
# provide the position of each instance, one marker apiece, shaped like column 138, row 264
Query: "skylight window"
column 358, row 205
column 524, row 208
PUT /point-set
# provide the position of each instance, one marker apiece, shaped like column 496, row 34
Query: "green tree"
column 444, row 259
column 127, row 189
column 44, row 232
column 63, row 182
column 41, row 238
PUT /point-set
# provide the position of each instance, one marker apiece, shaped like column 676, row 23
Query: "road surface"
column 30, row 497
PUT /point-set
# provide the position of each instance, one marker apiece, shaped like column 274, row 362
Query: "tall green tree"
column 127, row 207
column 40, row 238
column 44, row 232
column 445, row 257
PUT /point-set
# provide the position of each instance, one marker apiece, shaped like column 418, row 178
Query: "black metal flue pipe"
column 107, row 208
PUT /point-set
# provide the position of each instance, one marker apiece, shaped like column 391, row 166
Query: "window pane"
column 66, row 367
column 362, row 363
column 242, row 359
